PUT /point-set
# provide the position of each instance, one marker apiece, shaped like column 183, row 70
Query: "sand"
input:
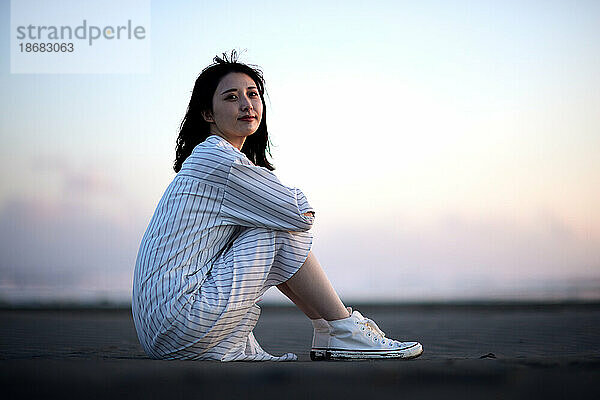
column 479, row 350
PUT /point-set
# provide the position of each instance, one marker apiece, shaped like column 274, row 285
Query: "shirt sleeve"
column 255, row 197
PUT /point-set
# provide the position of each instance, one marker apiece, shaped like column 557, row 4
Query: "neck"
column 236, row 141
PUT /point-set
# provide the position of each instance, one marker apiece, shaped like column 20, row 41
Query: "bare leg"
column 305, row 308
column 312, row 292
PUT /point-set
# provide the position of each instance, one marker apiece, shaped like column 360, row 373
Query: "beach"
column 482, row 350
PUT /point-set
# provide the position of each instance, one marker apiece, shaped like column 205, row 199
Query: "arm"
column 255, row 197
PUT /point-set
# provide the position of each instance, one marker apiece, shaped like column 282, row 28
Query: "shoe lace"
column 372, row 326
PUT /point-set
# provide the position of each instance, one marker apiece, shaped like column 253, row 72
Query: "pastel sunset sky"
column 451, row 149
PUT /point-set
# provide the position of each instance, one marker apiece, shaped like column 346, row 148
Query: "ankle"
column 348, row 315
column 319, row 324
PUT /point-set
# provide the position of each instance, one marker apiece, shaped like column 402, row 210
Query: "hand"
column 309, row 214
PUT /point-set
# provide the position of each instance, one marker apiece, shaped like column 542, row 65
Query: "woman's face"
column 237, row 109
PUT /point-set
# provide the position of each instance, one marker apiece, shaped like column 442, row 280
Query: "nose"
column 245, row 103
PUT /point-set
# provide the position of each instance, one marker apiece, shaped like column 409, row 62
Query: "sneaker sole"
column 334, row 354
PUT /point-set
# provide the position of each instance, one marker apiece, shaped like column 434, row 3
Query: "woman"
column 225, row 231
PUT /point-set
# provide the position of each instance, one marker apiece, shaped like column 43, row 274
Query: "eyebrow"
column 235, row 90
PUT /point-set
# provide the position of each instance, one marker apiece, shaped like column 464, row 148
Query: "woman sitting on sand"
column 225, row 231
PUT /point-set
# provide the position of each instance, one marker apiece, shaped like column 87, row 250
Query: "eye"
column 253, row 94
column 231, row 97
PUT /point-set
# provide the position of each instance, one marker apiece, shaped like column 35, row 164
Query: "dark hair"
column 194, row 129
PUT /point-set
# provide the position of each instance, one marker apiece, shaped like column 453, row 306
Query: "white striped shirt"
column 224, row 231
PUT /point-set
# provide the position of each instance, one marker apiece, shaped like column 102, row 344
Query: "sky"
column 450, row 149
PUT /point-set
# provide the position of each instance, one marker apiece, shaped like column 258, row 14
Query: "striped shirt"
column 223, row 232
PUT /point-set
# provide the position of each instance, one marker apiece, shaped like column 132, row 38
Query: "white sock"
column 319, row 323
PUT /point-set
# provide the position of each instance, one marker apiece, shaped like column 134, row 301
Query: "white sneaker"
column 357, row 337
column 321, row 332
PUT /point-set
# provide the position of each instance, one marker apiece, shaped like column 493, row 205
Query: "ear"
column 207, row 115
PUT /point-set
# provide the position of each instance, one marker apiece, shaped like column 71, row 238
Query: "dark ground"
column 491, row 351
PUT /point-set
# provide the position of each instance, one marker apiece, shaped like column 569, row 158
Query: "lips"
column 247, row 118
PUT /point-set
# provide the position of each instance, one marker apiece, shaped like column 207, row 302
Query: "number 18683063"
column 46, row 47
